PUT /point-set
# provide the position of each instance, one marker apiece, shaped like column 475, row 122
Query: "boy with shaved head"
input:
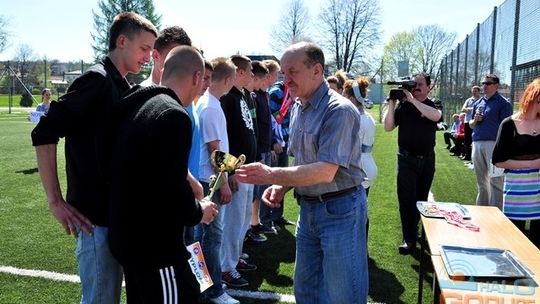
column 151, row 200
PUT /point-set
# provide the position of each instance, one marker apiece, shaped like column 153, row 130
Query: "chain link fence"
column 505, row 44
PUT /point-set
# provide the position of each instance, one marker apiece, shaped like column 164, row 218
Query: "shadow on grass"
column 28, row 171
column 384, row 287
column 269, row 256
column 427, row 267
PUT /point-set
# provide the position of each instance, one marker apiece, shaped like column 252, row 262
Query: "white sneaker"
column 244, row 256
column 224, row 299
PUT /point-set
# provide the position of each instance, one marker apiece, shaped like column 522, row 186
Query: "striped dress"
column 521, row 194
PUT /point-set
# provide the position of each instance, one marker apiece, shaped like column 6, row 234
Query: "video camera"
column 404, row 84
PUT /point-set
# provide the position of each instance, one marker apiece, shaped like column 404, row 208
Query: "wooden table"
column 496, row 231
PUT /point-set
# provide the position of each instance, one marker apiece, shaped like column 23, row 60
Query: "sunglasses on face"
column 487, row 83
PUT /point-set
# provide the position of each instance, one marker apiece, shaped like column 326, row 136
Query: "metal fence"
column 507, row 44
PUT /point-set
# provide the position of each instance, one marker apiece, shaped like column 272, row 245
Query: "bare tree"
column 433, row 44
column 4, row 34
column 292, row 26
column 350, row 30
column 24, row 60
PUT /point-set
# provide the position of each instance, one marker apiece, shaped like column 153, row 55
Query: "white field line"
column 261, row 295
column 49, row 275
column 430, row 197
column 71, row 278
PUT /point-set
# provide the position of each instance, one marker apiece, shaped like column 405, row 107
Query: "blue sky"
column 60, row 29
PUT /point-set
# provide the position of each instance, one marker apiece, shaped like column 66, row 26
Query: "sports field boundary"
column 72, row 278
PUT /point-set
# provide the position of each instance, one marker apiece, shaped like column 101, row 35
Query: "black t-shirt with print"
column 240, row 128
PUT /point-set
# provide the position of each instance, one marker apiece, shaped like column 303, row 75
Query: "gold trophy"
column 222, row 162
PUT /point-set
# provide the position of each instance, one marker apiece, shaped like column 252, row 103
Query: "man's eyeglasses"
column 487, row 83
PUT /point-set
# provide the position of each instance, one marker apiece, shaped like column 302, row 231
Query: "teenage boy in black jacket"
column 82, row 116
column 151, row 200
column 242, row 140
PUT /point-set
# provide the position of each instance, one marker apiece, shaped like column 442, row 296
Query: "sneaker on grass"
column 233, row 279
column 260, row 228
column 254, row 238
column 283, row 222
column 244, row 266
column 224, row 299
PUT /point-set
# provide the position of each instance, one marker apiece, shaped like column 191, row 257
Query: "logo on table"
column 485, row 290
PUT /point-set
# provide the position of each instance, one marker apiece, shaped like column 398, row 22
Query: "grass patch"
column 32, row 239
column 16, row 99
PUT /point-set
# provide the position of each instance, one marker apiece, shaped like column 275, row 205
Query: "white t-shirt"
column 367, row 124
column 147, row 82
column 213, row 126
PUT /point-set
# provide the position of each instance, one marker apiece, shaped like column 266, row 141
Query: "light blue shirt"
column 195, row 152
column 42, row 108
column 326, row 130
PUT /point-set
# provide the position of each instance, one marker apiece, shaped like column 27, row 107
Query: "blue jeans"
column 210, row 237
column 101, row 274
column 258, row 190
column 331, row 258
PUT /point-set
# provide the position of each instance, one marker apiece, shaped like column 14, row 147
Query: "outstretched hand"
column 254, row 173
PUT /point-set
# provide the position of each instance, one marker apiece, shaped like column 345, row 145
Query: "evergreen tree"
column 109, row 9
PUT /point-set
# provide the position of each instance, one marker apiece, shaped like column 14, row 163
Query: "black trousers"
column 168, row 285
column 447, row 137
column 414, row 178
column 468, row 141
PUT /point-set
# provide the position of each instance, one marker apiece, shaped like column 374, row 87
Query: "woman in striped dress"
column 517, row 150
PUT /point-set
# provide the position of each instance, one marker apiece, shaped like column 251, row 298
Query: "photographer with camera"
column 417, row 118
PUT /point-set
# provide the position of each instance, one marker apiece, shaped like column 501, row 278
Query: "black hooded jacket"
column 82, row 116
column 150, row 199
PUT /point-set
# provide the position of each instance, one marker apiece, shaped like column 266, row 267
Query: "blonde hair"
column 223, row 68
column 341, row 77
column 271, row 65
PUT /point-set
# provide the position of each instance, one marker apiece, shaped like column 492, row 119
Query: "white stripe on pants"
column 168, row 284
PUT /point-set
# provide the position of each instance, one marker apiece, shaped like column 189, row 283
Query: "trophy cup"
column 222, row 162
